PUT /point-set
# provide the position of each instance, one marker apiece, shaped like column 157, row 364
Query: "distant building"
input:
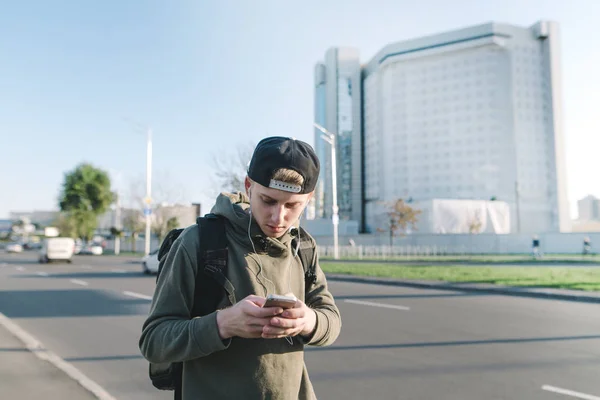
column 5, row 226
column 589, row 209
column 474, row 113
column 41, row 218
column 338, row 96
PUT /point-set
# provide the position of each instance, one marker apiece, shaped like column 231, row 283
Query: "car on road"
column 14, row 248
column 57, row 249
column 150, row 263
column 91, row 249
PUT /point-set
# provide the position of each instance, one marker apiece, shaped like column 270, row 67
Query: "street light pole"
column 335, row 219
column 148, row 199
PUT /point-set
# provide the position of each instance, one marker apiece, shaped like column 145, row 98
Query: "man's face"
column 274, row 210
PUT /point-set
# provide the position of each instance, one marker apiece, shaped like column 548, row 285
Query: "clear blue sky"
column 211, row 75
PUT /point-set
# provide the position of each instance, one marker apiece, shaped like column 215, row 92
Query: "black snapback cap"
column 276, row 152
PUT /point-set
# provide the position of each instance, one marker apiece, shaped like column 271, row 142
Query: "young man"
column 245, row 350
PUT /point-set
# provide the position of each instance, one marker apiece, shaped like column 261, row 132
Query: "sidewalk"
column 546, row 293
column 25, row 376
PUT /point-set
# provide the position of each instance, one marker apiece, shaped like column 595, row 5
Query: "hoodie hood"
column 235, row 208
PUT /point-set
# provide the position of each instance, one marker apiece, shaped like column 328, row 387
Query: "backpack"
column 212, row 285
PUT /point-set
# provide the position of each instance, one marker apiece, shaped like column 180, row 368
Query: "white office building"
column 589, row 208
column 474, row 113
column 338, row 109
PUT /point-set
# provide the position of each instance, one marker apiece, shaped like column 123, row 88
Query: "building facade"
column 474, row 113
column 338, row 97
column 589, row 209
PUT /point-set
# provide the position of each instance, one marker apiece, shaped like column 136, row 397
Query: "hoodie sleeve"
column 169, row 334
column 329, row 320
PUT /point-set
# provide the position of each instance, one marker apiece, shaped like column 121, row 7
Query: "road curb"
column 37, row 348
column 552, row 294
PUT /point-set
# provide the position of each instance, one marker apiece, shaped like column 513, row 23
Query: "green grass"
column 485, row 258
column 579, row 278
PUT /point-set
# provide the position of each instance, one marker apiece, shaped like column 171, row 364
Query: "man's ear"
column 310, row 196
column 247, row 185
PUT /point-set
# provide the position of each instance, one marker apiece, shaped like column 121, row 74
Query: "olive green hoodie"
column 236, row 368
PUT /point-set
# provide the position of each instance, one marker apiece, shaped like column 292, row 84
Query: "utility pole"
column 335, row 219
column 148, row 199
column 118, row 225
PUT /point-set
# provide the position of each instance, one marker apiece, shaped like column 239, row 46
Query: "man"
column 535, row 244
column 247, row 351
column 587, row 245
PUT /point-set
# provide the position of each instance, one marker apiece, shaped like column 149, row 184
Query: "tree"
column 401, row 217
column 133, row 222
column 475, row 225
column 115, row 233
column 163, row 221
column 230, row 169
column 86, row 193
column 65, row 225
column 166, row 192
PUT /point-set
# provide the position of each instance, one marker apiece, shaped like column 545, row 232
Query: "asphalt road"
column 396, row 342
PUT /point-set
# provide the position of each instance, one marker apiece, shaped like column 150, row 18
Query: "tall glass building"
column 338, row 109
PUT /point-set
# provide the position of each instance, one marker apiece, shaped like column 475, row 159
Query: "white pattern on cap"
column 287, row 187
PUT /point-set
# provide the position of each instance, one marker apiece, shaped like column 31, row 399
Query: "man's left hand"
column 300, row 320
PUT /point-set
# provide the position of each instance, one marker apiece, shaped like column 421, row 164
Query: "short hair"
column 288, row 176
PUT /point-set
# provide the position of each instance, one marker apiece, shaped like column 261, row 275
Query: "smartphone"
column 277, row 300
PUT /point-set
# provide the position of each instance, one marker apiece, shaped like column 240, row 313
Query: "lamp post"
column 148, row 198
column 335, row 219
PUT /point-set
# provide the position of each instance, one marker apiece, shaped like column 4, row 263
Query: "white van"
column 57, row 248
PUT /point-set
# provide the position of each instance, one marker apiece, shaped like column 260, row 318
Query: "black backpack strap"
column 306, row 251
column 212, row 283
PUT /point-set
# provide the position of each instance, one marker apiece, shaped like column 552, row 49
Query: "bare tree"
column 475, row 225
column 400, row 217
column 166, row 192
column 163, row 224
column 230, row 168
column 133, row 222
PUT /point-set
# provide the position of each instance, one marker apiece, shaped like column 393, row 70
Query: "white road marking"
column 571, row 393
column 19, row 268
column 137, row 295
column 78, row 282
column 119, row 271
column 43, row 274
column 42, row 353
column 368, row 303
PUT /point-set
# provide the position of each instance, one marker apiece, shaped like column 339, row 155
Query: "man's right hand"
column 246, row 318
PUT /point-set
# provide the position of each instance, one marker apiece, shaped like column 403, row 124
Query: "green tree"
column 65, row 225
column 115, row 233
column 84, row 196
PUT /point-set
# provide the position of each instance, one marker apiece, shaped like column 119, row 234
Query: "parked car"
column 57, row 248
column 150, row 263
column 91, row 249
column 14, row 248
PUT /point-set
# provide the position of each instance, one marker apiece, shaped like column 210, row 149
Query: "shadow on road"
column 454, row 343
column 68, row 303
column 104, row 358
column 89, row 275
column 410, row 296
